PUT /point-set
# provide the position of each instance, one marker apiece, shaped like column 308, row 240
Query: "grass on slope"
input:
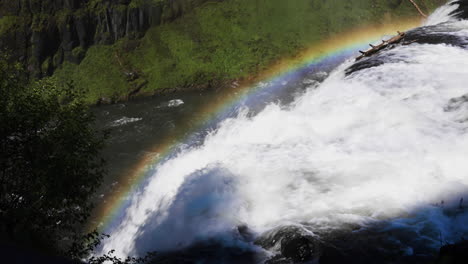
column 223, row 41
column 97, row 74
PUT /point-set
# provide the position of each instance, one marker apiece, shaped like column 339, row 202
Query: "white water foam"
column 125, row 120
column 383, row 143
column 175, row 103
column 442, row 14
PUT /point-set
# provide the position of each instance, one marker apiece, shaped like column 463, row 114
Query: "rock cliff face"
column 42, row 34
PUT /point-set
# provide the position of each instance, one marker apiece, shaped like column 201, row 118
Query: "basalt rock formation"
column 43, row 34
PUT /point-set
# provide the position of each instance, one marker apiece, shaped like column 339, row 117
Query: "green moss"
column 40, row 21
column 78, row 52
column 7, row 23
column 62, row 16
column 98, row 73
column 136, row 3
column 120, row 8
column 46, row 65
column 226, row 40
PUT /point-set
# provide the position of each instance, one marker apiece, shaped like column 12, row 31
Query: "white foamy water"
column 175, row 103
column 442, row 14
column 125, row 120
column 385, row 143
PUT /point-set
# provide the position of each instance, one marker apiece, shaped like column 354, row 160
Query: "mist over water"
column 385, row 144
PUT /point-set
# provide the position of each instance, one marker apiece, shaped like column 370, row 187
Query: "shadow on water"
column 423, row 236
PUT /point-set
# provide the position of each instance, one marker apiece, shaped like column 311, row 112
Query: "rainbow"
column 333, row 49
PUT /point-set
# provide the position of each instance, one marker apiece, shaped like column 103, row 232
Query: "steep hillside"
column 119, row 48
column 44, row 34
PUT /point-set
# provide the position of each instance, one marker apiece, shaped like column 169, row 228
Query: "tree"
column 49, row 160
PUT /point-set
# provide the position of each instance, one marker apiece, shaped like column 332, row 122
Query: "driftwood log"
column 385, row 43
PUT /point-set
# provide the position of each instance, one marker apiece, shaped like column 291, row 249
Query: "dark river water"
column 138, row 126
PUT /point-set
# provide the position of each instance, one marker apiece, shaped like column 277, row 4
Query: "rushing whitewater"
column 381, row 145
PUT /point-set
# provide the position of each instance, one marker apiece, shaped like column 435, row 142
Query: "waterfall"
column 384, row 143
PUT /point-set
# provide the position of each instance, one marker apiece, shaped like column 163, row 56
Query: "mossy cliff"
column 45, row 33
column 116, row 49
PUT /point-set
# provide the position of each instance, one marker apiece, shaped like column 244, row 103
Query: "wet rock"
column 297, row 248
column 279, row 259
column 332, row 255
column 462, row 10
column 372, row 245
column 209, row 253
column 295, row 245
column 453, row 253
column 53, row 30
column 436, row 34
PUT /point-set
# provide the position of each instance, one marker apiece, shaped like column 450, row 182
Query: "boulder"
column 294, row 244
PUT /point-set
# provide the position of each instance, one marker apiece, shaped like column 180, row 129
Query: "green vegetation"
column 49, row 170
column 7, row 23
column 49, row 161
column 223, row 41
column 99, row 72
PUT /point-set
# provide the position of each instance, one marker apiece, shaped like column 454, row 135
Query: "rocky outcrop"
column 453, row 253
column 293, row 244
column 44, row 34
